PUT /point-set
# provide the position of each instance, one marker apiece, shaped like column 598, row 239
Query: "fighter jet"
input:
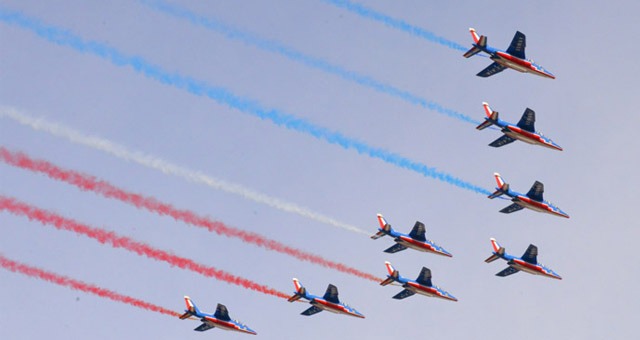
column 527, row 263
column 524, row 130
column 422, row 285
column 328, row 302
column 415, row 239
column 220, row 319
column 512, row 58
column 532, row 200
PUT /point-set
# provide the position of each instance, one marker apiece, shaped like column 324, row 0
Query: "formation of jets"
column 514, row 58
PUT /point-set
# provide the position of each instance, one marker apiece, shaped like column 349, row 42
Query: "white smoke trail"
column 168, row 168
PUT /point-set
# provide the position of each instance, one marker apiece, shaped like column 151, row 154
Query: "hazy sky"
column 316, row 108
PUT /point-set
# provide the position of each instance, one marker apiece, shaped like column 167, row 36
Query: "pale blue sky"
column 589, row 110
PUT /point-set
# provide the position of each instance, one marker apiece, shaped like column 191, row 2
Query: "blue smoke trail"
column 274, row 46
column 200, row 88
column 402, row 25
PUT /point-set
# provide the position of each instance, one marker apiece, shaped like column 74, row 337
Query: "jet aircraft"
column 422, row 285
column 532, row 200
column 512, row 58
column 220, row 319
column 415, row 239
column 524, row 130
column 328, row 302
column 527, row 263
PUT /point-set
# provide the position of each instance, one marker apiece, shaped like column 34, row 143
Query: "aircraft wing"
column 222, row 313
column 517, row 46
column 418, row 232
column 403, row 294
column 508, row 271
column 535, row 193
column 512, row 208
column 491, row 70
column 425, row 277
column 377, row 235
column 395, row 248
column 531, row 254
column 312, row 310
column 504, row 140
column 527, row 121
column 204, row 327
column 331, row 294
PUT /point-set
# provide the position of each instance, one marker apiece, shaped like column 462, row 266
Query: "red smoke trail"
column 90, row 183
column 21, row 268
column 116, row 241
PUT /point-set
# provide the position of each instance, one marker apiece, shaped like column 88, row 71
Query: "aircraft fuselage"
column 528, row 137
column 421, row 246
column 521, row 65
column 334, row 307
column 226, row 325
column 531, row 268
column 538, row 206
column 426, row 291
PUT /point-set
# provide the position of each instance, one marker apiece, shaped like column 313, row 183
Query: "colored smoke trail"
column 273, row 46
column 41, row 274
column 111, row 238
column 200, row 88
column 90, row 183
column 169, row 168
column 402, row 25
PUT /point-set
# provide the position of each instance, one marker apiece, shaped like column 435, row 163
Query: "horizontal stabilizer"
column 378, row 235
column 387, row 281
column 491, row 258
column 484, row 125
column 503, row 190
column 473, row 51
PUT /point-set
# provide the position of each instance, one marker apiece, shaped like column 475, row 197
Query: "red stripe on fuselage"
column 222, row 324
column 537, row 206
column 518, row 64
column 531, row 268
column 333, row 307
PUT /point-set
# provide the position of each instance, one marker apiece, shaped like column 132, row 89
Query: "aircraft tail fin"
column 192, row 309
column 498, row 251
column 299, row 293
column 502, row 188
column 492, row 117
column 385, row 228
column 393, row 274
column 480, row 42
